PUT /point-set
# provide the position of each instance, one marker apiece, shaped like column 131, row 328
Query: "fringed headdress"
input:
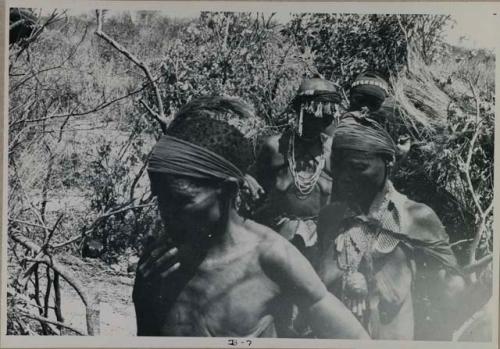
column 316, row 97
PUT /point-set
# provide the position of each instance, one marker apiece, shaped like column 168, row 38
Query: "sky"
column 473, row 30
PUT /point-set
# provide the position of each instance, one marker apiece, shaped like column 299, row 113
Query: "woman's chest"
column 225, row 301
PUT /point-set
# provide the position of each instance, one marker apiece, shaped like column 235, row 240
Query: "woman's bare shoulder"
column 262, row 233
column 272, row 247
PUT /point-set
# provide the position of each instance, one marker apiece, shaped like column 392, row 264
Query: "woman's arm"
column 295, row 276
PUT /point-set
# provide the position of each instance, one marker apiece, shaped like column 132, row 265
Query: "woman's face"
column 360, row 100
column 357, row 176
column 190, row 209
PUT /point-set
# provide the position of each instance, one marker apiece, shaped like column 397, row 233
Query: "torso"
column 284, row 196
column 228, row 295
column 390, row 310
column 381, row 257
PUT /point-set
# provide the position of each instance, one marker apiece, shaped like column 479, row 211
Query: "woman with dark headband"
column 370, row 93
column 369, row 90
column 213, row 272
column 374, row 239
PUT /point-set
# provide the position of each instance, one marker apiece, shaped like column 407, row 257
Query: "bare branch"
column 51, row 232
column 53, row 322
column 33, row 208
column 89, row 299
column 57, row 298
column 17, row 23
column 403, row 29
column 136, row 180
column 470, row 268
column 26, row 223
column 155, row 116
column 160, row 115
column 489, row 209
column 477, row 238
column 97, row 220
column 86, row 112
column 68, row 242
column 33, row 74
column 476, row 99
column 459, row 242
column 466, row 170
column 54, row 17
column 48, row 288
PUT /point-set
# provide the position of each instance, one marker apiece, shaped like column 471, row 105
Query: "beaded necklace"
column 305, row 182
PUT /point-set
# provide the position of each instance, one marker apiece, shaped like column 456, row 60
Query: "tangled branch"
column 89, row 299
column 482, row 213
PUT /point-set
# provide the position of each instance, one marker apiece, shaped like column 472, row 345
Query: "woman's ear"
column 228, row 193
column 230, row 185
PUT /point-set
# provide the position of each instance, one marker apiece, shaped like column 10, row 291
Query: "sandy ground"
column 114, row 288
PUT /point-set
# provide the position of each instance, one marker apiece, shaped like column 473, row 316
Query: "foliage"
column 344, row 45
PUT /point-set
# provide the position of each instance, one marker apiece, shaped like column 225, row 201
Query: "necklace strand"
column 304, row 183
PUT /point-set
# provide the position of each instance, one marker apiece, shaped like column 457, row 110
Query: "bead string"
column 304, row 183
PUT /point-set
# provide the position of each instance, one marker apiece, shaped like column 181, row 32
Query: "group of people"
column 333, row 250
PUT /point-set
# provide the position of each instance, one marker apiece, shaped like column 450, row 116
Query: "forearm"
column 329, row 318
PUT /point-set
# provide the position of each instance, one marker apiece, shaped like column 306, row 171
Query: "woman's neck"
column 365, row 204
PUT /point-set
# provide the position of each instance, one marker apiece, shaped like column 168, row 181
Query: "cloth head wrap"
column 178, row 157
column 356, row 132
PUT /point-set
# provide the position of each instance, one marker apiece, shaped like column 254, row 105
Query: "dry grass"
column 422, row 103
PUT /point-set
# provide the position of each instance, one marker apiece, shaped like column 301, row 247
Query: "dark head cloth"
column 356, row 132
column 175, row 156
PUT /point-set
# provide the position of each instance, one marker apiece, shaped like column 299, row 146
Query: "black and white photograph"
column 244, row 172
